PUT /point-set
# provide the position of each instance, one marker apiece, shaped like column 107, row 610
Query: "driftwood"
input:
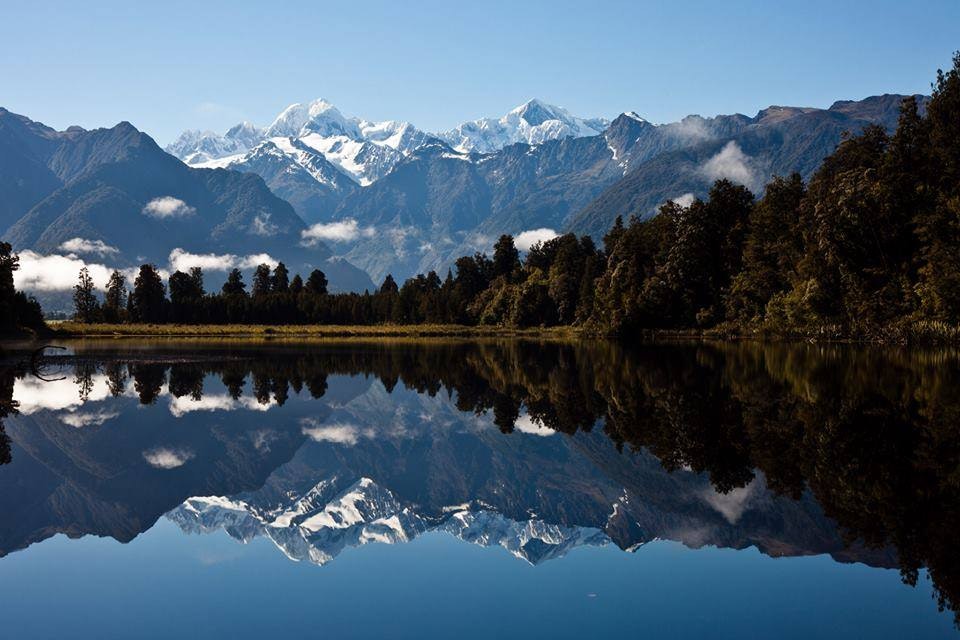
column 35, row 363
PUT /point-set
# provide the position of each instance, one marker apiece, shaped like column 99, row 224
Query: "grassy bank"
column 71, row 329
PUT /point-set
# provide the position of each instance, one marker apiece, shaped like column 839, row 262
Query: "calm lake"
column 479, row 489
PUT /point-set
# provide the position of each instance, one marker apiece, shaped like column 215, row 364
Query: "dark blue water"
column 492, row 490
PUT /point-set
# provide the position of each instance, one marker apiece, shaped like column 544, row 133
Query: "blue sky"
column 201, row 64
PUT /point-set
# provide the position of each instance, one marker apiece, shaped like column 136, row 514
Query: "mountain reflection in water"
column 537, row 447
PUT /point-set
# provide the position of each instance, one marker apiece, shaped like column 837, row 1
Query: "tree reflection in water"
column 872, row 434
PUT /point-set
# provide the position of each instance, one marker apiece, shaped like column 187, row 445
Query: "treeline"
column 552, row 286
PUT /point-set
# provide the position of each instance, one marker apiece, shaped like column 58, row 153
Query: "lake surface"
column 479, row 489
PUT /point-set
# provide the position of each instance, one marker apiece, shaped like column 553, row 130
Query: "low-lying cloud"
column 33, row 395
column 79, row 420
column 82, row 245
column 733, row 164
column 55, row 272
column 525, row 423
column 167, row 457
column 345, row 230
column 685, row 200
column 183, row 405
column 734, row 504
column 261, row 226
column 527, row 239
column 181, row 260
column 336, row 433
column 168, row 207
column 691, row 129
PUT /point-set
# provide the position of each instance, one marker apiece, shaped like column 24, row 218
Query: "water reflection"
column 535, row 447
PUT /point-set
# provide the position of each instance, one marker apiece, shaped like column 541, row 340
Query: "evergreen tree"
column 389, row 285
column 261, row 281
column 115, row 301
column 613, row 236
column 184, row 288
column 771, row 251
column 506, row 258
column 86, row 307
column 280, row 280
column 234, row 286
column 196, row 279
column 296, row 285
column 147, row 301
column 316, row 283
column 9, row 262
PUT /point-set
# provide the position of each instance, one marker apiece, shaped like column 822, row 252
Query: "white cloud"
column 733, row 504
column 345, row 230
column 263, row 438
column 526, row 423
column 55, row 272
column 215, row 402
column 168, row 207
column 82, row 245
column 478, row 242
column 527, row 239
column 94, row 418
column 691, row 129
column 167, row 458
column 33, row 394
column 731, row 163
column 337, row 433
column 181, row 260
column 685, row 200
column 262, row 226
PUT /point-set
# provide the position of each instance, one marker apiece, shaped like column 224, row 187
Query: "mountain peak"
column 535, row 112
column 321, row 105
column 289, row 122
column 534, row 122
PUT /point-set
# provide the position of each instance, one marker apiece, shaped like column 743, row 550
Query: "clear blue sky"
column 209, row 64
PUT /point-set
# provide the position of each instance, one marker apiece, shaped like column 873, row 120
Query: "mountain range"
column 361, row 199
column 115, row 195
column 398, row 200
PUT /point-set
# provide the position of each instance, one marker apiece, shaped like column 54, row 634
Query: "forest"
column 868, row 249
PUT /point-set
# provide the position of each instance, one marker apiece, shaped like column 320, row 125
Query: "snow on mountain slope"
column 322, row 523
column 365, row 150
column 533, row 122
column 195, row 147
column 362, row 150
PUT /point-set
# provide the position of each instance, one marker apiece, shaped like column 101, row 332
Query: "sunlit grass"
column 79, row 329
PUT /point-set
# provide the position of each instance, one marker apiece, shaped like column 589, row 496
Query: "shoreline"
column 69, row 329
column 907, row 334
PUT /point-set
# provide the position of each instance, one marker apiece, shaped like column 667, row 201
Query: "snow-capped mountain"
column 307, row 144
column 362, row 150
column 365, row 150
column 319, row 525
column 196, row 147
column 423, row 200
column 533, row 122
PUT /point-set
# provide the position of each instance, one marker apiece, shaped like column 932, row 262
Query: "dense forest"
column 870, row 249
